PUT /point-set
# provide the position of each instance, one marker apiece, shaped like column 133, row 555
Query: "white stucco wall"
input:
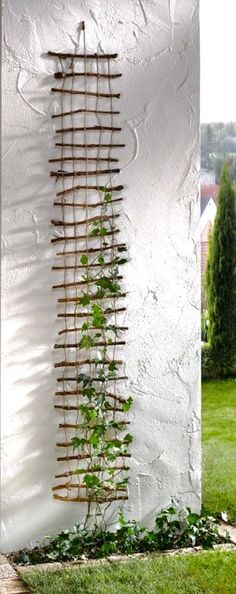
column 157, row 42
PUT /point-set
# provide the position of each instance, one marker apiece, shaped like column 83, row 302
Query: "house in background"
column 209, row 195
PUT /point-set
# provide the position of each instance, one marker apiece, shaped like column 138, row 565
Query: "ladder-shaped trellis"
column 95, row 447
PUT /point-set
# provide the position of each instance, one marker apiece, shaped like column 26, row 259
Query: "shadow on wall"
column 30, row 422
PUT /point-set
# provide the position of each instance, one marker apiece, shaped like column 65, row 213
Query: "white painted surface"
column 207, row 219
column 158, row 51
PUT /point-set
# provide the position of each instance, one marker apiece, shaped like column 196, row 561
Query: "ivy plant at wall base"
column 172, row 530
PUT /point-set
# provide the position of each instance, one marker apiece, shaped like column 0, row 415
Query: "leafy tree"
column 221, row 277
column 218, row 143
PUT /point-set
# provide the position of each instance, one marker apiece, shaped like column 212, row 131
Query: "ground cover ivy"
column 172, row 530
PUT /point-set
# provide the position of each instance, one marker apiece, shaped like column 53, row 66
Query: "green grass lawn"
column 204, row 573
column 219, row 447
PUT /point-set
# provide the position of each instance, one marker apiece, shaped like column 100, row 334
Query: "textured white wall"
column 157, row 42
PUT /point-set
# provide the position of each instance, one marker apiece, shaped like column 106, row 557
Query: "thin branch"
column 87, row 362
column 68, row 330
column 85, row 187
column 86, row 456
column 83, row 486
column 67, row 444
column 87, row 74
column 97, row 344
column 88, row 129
column 92, row 298
column 83, row 426
column 83, row 205
column 66, row 407
column 63, row 174
column 79, row 283
column 80, row 237
column 84, row 314
column 84, row 221
column 92, row 250
column 87, row 93
column 94, row 379
column 89, row 499
column 80, row 393
column 75, row 111
column 88, row 146
column 60, row 159
column 64, row 56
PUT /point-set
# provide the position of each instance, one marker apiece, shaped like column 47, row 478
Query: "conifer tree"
column 221, row 278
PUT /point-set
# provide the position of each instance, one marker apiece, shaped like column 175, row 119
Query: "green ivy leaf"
column 86, row 342
column 91, row 481
column 113, row 329
column 112, row 367
column 128, row 438
column 84, row 259
column 104, row 231
column 84, row 379
column 76, row 442
column 121, row 261
column 98, row 319
column 127, row 404
column 107, row 197
column 101, row 260
column 84, row 300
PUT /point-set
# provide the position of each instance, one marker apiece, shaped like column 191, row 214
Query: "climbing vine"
column 93, row 408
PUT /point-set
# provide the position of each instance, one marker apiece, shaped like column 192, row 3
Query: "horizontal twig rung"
column 85, row 187
column 83, row 426
column 91, row 250
column 91, row 470
column 81, row 237
column 75, row 111
column 85, row 314
column 79, row 283
column 84, row 221
column 86, row 362
column 80, row 393
column 68, row 330
column 62, row 173
column 88, row 129
column 86, row 74
column 84, row 205
column 95, row 345
column 64, row 56
column 67, row 444
column 95, row 379
column 83, row 486
column 60, row 159
column 88, row 146
column 86, row 93
column 87, row 456
column 92, row 298
column 89, row 499
column 66, row 407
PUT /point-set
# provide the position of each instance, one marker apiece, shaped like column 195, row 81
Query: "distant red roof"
column 210, row 191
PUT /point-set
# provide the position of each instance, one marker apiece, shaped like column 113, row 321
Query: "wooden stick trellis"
column 90, row 404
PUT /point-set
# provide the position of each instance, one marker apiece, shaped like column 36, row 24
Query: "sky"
column 218, row 60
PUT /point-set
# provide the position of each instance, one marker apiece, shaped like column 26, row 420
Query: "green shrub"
column 221, row 278
column 213, row 367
